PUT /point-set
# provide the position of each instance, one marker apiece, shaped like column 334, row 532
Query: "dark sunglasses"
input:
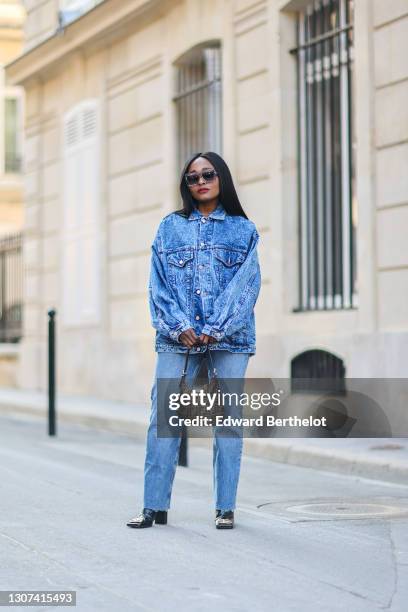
column 194, row 177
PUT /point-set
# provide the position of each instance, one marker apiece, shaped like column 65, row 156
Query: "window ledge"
column 108, row 17
column 339, row 309
column 10, row 349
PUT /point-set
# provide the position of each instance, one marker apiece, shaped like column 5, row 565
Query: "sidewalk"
column 377, row 458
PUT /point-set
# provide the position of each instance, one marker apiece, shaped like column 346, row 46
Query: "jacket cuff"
column 175, row 333
column 211, row 331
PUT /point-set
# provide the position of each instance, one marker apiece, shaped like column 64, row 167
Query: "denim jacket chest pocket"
column 180, row 267
column 227, row 262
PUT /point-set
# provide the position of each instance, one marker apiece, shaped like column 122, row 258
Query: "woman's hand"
column 204, row 339
column 189, row 338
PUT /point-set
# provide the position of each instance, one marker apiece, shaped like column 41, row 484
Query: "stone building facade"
column 12, row 17
column 103, row 131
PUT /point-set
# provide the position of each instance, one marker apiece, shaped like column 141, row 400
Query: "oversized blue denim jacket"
column 205, row 274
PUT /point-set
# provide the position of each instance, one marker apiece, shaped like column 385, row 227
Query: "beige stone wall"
column 132, row 74
column 41, row 22
column 391, row 158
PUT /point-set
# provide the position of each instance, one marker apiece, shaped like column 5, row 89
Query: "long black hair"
column 228, row 196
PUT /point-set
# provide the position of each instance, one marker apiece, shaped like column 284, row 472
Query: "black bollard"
column 52, row 425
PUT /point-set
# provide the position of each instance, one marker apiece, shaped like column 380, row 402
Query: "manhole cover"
column 347, row 509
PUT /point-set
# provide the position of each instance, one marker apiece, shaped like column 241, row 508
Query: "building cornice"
column 95, row 29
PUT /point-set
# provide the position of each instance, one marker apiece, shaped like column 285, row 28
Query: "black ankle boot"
column 224, row 519
column 147, row 517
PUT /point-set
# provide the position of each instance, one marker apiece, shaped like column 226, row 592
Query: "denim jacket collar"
column 217, row 213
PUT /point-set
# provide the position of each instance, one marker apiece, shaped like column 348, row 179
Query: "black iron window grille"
column 11, row 288
column 318, row 370
column 198, row 101
column 326, row 154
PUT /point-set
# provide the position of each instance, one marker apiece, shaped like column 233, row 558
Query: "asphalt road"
column 304, row 539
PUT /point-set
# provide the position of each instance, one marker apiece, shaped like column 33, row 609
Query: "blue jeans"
column 162, row 453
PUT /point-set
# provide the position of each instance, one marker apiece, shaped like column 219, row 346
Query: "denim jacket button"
column 203, row 220
column 198, row 291
column 197, row 317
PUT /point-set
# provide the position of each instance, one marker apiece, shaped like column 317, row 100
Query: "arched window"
column 310, row 367
column 198, row 101
column 81, row 215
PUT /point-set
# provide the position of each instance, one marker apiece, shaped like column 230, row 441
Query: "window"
column 198, row 102
column 328, row 208
column 11, row 288
column 12, row 133
column 317, row 370
column 72, row 9
column 81, row 216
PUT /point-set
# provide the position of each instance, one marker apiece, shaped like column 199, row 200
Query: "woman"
column 204, row 283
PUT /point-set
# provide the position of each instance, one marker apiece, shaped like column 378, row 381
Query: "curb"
column 290, row 451
column 340, row 462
